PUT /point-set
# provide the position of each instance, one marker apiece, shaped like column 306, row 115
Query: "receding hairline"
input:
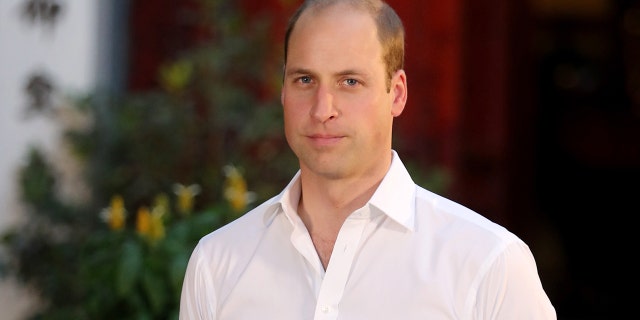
column 372, row 7
column 389, row 28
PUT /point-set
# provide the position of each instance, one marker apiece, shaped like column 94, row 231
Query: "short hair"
column 388, row 23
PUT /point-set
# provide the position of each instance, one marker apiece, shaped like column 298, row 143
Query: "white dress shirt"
column 407, row 254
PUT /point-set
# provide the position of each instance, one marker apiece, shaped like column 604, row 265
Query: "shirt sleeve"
column 511, row 288
column 198, row 299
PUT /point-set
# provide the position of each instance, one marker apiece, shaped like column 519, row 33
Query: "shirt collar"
column 394, row 197
column 286, row 201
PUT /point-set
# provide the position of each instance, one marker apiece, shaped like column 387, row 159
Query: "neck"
column 325, row 203
column 324, row 211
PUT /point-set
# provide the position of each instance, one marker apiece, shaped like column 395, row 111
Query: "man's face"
column 337, row 112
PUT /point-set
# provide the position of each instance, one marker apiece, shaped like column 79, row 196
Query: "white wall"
column 68, row 53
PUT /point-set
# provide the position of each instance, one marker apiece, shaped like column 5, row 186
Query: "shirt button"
column 324, row 309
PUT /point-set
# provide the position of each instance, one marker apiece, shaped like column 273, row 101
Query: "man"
column 352, row 236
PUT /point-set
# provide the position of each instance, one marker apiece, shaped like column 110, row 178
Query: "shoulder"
column 218, row 259
column 490, row 260
column 438, row 211
column 465, row 234
column 244, row 231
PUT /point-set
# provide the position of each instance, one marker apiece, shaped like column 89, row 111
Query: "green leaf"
column 155, row 290
column 177, row 269
column 129, row 268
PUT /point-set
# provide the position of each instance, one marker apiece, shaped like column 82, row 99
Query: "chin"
column 328, row 169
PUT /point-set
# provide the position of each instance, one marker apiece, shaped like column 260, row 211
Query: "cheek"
column 292, row 116
column 379, row 119
column 294, row 106
column 291, row 112
column 288, row 119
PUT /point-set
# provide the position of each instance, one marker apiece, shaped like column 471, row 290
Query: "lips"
column 325, row 139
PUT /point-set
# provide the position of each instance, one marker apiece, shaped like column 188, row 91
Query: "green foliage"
column 209, row 112
column 217, row 105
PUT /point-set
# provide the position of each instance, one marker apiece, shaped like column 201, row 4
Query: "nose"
column 324, row 105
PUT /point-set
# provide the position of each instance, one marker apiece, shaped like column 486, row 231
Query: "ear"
column 398, row 92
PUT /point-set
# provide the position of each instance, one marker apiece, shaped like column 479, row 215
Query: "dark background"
column 532, row 109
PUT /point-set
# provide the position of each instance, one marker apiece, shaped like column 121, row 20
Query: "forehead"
column 336, row 31
column 342, row 13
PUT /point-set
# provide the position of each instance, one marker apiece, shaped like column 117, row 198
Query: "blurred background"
column 129, row 129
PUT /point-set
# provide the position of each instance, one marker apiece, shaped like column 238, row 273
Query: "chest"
column 367, row 277
column 323, row 245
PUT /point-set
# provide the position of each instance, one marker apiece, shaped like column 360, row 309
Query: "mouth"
column 325, row 139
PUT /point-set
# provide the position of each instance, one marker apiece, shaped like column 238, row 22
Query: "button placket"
column 339, row 268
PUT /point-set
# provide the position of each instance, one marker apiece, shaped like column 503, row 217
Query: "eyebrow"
column 349, row 72
column 295, row 71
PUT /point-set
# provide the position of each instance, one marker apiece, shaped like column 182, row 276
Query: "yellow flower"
column 150, row 225
column 143, row 221
column 174, row 77
column 235, row 190
column 185, row 194
column 157, row 226
column 161, row 204
column 115, row 214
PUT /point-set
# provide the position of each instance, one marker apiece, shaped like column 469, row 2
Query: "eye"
column 351, row 82
column 304, row 79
